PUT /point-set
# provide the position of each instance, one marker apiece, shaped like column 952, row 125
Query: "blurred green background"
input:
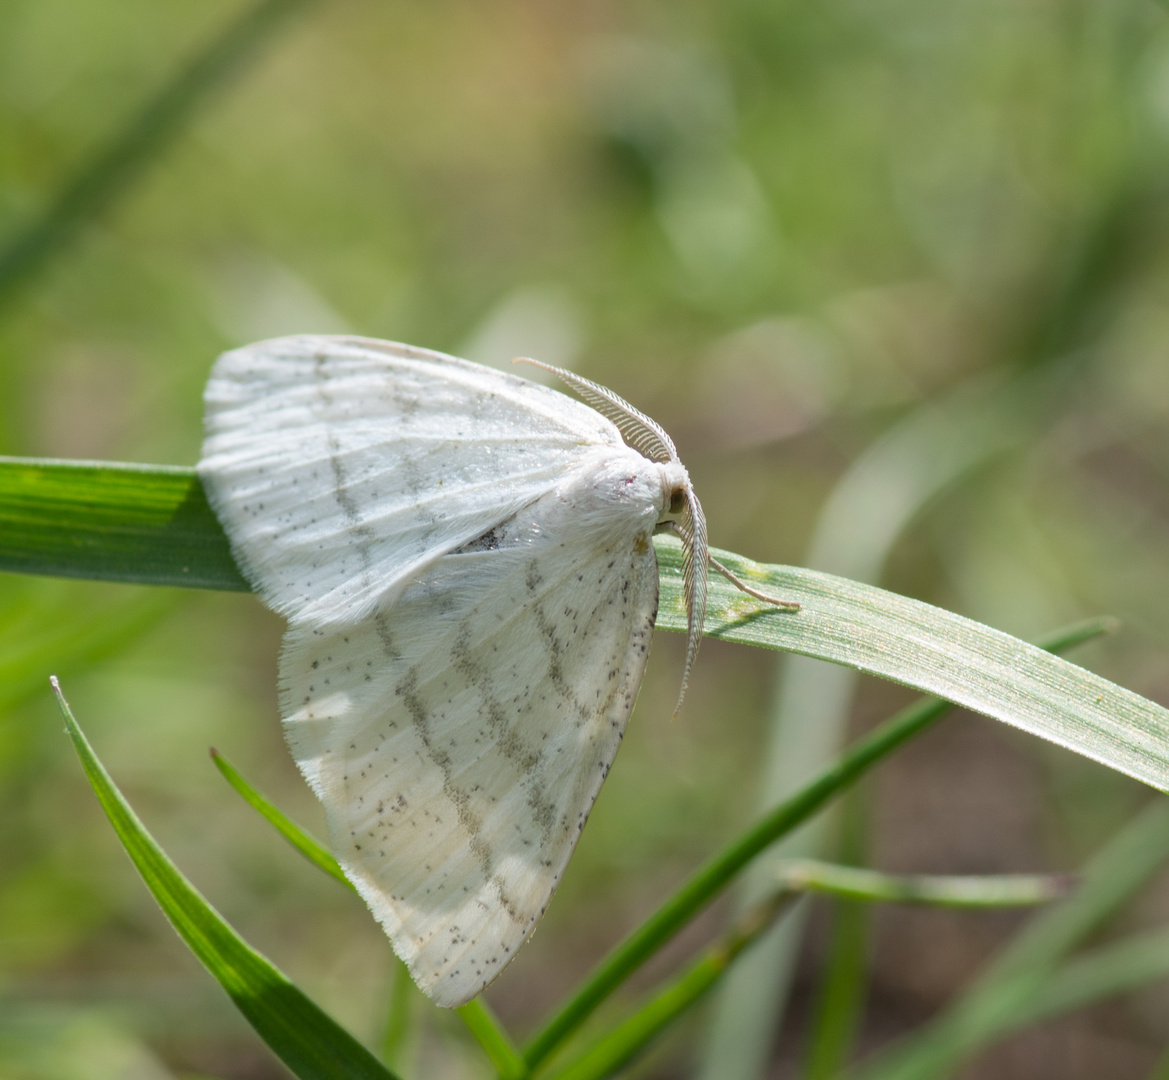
column 788, row 231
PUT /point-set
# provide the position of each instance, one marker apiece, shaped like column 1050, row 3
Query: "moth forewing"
column 457, row 777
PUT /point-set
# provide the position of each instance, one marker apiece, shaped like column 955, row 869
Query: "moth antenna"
column 644, row 434
column 691, row 530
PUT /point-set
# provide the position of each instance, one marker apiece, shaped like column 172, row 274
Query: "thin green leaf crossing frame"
column 151, row 524
column 306, row 1039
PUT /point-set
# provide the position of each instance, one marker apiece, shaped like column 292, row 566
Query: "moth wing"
column 339, row 466
column 459, row 739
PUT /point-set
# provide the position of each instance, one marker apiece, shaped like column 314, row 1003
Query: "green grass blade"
column 935, row 890
column 502, row 1052
column 1098, row 975
column 841, row 1001
column 843, row 980
column 717, row 872
column 397, row 1040
column 111, row 171
column 1104, row 973
column 311, row 848
column 1111, row 877
column 133, row 523
column 629, row 1038
column 941, row 653
column 1016, row 981
column 928, row 450
column 504, row 1055
column 311, row 1044
column 111, row 522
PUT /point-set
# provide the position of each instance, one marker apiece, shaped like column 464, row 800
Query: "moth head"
column 676, row 491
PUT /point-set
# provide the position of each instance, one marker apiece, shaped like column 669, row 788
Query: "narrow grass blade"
column 1098, row 975
column 96, row 185
column 717, row 872
column 398, row 1038
column 843, row 979
column 1109, row 880
column 962, row 891
column 1102, row 974
column 619, row 1046
column 111, row 522
column 841, row 1002
column 1016, row 981
column 930, row 449
column 308, row 846
column 311, row 1044
column 503, row 1053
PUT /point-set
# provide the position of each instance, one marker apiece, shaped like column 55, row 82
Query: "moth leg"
column 730, row 575
column 739, row 583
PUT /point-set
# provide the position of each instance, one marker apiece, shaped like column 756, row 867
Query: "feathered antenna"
column 691, row 529
column 644, row 434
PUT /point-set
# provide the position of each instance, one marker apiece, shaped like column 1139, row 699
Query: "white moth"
column 465, row 560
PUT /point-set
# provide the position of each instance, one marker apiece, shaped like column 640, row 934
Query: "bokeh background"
column 893, row 273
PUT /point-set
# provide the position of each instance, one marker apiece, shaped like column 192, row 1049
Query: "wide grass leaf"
column 934, row 650
column 111, row 522
column 149, row 524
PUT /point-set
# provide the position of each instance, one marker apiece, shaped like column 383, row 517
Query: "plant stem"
column 630, row 1037
column 957, row 890
column 717, row 872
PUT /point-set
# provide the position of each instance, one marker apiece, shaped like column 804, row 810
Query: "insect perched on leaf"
column 465, row 560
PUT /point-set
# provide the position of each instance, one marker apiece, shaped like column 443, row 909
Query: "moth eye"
column 678, row 501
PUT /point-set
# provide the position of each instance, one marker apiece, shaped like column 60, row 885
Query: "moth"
column 465, row 560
